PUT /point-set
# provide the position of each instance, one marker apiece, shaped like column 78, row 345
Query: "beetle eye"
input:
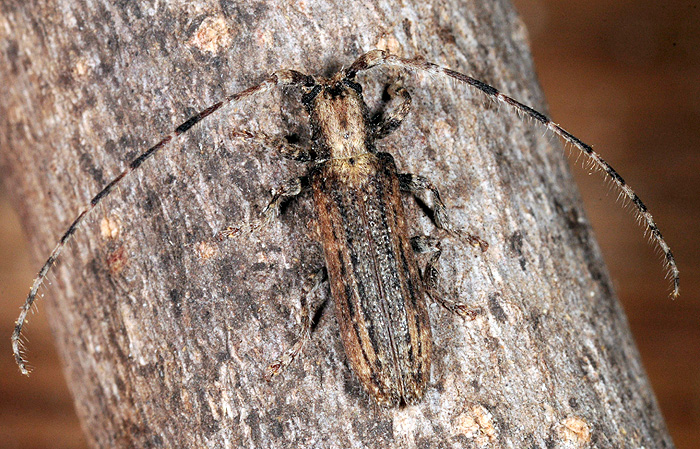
column 353, row 85
column 308, row 97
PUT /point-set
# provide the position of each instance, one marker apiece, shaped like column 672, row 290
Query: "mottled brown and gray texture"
column 379, row 298
column 166, row 334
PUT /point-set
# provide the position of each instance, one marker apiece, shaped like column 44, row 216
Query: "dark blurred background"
column 623, row 76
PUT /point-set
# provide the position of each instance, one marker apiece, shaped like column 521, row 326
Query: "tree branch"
column 166, row 332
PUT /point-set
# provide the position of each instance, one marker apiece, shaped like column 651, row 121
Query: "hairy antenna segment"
column 282, row 77
column 379, row 57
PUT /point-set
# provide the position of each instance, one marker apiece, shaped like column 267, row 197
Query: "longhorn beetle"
column 378, row 290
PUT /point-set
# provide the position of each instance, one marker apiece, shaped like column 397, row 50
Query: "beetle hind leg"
column 307, row 312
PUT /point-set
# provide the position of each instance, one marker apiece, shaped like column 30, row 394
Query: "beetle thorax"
column 339, row 116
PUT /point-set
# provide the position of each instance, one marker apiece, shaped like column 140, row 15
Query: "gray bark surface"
column 166, row 333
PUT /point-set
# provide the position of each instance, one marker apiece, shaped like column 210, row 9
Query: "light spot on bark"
column 81, row 67
column 389, row 43
column 206, row 250
column 213, row 35
column 574, row 430
column 477, row 424
column 110, row 227
column 405, row 424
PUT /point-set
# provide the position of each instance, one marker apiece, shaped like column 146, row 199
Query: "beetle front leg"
column 281, row 145
column 385, row 123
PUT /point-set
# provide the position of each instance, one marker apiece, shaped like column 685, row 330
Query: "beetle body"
column 374, row 277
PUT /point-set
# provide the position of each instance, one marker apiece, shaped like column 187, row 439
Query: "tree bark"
column 166, row 332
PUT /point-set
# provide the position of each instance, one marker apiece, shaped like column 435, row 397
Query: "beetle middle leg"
column 307, row 312
column 424, row 190
column 290, row 189
column 281, row 145
column 424, row 244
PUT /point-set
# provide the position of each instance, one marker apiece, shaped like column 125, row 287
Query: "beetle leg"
column 307, row 313
column 426, row 192
column 424, row 244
